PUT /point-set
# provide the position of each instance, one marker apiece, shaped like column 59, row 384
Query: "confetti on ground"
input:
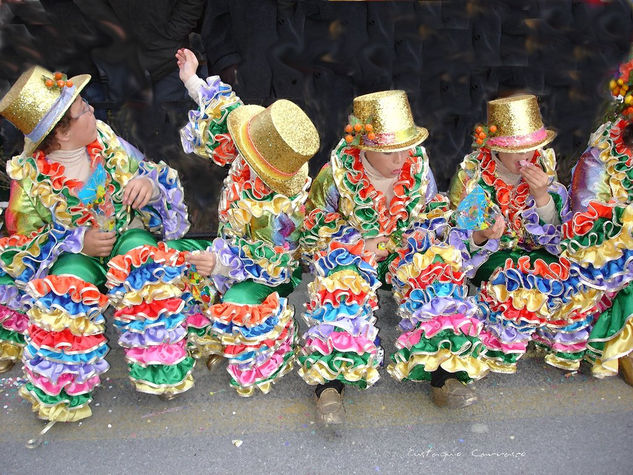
column 236, row 442
column 165, row 411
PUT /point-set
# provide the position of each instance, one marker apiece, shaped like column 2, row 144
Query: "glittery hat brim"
column 80, row 82
column 421, row 136
column 237, row 122
column 551, row 135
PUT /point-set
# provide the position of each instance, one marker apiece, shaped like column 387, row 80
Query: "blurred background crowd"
column 450, row 56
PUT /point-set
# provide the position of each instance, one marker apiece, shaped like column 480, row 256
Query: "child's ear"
column 63, row 136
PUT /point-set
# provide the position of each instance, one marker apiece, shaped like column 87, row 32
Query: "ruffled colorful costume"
column 344, row 209
column 527, row 293
column 60, row 288
column 257, row 256
column 599, row 242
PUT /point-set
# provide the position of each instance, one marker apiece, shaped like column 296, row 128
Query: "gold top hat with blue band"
column 389, row 114
column 35, row 108
column 277, row 143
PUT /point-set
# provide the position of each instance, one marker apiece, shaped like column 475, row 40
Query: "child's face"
column 83, row 124
column 388, row 164
column 512, row 161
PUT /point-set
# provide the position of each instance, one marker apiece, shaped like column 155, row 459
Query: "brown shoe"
column 213, row 361
column 453, row 395
column 6, row 365
column 330, row 408
column 626, row 368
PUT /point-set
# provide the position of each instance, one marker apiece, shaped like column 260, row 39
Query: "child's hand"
column 98, row 243
column 377, row 247
column 538, row 181
column 187, row 63
column 203, row 260
column 493, row 232
column 138, row 192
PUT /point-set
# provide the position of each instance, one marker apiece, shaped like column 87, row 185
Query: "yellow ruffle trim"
column 497, row 366
column 202, row 346
column 59, row 412
column 150, row 293
column 344, row 280
column 614, row 349
column 609, row 250
column 421, row 261
column 144, row 387
column 10, row 351
column 245, row 210
column 449, row 361
column 56, row 320
column 238, row 339
column 561, row 363
column 531, row 299
column 320, row 373
column 580, row 302
column 266, row 386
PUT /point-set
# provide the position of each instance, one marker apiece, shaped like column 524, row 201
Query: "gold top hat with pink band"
column 514, row 125
column 277, row 143
column 38, row 100
column 382, row 122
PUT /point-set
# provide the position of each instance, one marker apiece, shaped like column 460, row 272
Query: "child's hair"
column 627, row 135
column 50, row 144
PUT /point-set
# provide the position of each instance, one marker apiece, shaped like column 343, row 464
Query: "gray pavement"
column 538, row 420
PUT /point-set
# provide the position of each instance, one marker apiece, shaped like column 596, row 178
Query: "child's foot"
column 626, row 368
column 330, row 409
column 453, row 394
column 213, row 361
column 6, row 365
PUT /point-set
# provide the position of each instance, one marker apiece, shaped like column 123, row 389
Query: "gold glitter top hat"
column 38, row 100
column 277, row 143
column 518, row 123
column 384, row 123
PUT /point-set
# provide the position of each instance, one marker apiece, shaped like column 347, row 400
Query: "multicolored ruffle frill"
column 146, row 289
column 599, row 243
column 439, row 324
column 65, row 347
column 206, row 133
column 342, row 342
column 13, row 319
column 531, row 299
column 199, row 294
column 258, row 340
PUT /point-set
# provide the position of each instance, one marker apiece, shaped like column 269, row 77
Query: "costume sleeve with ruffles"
column 259, row 230
column 206, row 133
column 524, row 227
column 324, row 222
column 599, row 242
column 37, row 238
column 46, row 218
column 166, row 212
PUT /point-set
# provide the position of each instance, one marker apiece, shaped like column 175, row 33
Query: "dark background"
column 450, row 57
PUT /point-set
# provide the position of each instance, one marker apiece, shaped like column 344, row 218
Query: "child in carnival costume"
column 598, row 239
column 526, row 290
column 80, row 200
column 254, row 261
column 374, row 216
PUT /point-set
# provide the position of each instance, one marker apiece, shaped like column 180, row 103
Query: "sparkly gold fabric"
column 277, row 143
column 29, row 100
column 517, row 116
column 389, row 113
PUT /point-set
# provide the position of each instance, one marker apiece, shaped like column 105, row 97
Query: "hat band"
column 263, row 161
column 52, row 116
column 390, row 138
column 519, row 140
